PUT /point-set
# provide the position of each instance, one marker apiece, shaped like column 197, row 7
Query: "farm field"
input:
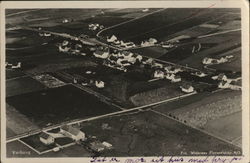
column 159, row 26
column 227, row 127
column 212, row 107
column 138, row 135
column 166, row 91
column 9, row 74
column 22, row 85
column 58, row 105
column 17, row 123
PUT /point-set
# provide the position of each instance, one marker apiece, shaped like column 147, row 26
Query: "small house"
column 46, row 138
column 72, row 132
column 159, row 74
column 112, row 38
column 187, row 88
column 99, row 84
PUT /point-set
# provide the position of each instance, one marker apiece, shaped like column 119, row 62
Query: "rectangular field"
column 58, row 105
column 22, row 85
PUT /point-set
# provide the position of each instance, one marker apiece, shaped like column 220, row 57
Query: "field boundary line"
column 129, row 21
column 99, row 117
column 196, row 128
column 29, row 146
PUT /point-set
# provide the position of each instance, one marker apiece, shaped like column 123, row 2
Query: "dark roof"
column 44, row 135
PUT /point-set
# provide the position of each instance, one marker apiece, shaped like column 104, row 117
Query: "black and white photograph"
column 123, row 82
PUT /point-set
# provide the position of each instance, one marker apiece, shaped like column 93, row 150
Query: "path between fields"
column 94, row 118
column 128, row 21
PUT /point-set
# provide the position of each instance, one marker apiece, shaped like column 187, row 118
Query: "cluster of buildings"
column 77, row 136
column 225, row 82
column 95, row 26
column 97, row 83
column 149, row 42
column 120, row 43
column 13, row 66
column 122, row 59
column 167, row 72
column 67, row 47
column 211, row 61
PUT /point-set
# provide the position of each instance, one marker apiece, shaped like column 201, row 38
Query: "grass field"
column 22, row 85
column 150, row 134
column 228, row 127
column 17, row 123
column 165, row 91
column 58, row 105
column 212, row 107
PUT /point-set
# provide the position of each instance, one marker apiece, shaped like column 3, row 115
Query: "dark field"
column 13, row 74
column 164, row 23
column 35, row 142
column 22, row 85
column 58, row 105
column 150, row 134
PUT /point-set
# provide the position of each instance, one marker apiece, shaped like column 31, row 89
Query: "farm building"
column 101, row 54
column 187, row 88
column 99, row 84
column 112, row 38
column 46, row 138
column 174, row 78
column 159, row 74
column 72, row 132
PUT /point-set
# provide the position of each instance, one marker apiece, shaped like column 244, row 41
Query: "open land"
column 64, row 78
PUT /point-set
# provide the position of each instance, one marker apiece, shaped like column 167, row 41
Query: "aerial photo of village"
column 123, row 82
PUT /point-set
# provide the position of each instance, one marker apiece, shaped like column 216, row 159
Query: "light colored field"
column 212, row 107
column 228, row 127
column 17, row 122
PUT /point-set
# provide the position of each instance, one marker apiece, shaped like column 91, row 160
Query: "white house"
column 99, row 84
column 158, row 65
column 139, row 58
column 47, row 34
column 145, row 10
column 65, row 49
column 207, row 61
column 46, row 138
column 101, row 54
column 220, row 77
column 65, row 21
column 112, row 38
column 72, row 132
column 65, row 43
column 187, row 88
column 107, row 145
column 152, row 41
column 174, row 78
column 16, row 66
column 224, row 84
column 159, row 74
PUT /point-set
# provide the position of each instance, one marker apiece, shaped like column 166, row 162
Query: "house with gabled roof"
column 72, row 132
column 46, row 139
